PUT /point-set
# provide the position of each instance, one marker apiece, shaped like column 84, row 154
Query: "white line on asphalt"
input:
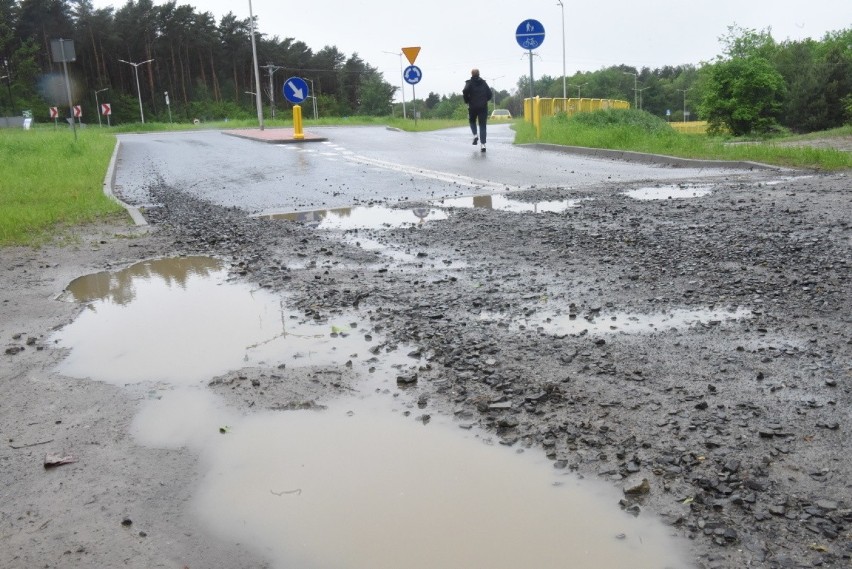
column 432, row 174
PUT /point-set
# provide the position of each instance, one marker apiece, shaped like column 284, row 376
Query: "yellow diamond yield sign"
column 411, row 53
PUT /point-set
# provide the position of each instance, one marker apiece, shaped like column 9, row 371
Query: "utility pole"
column 564, row 86
column 271, row 69
column 580, row 87
column 684, row 102
column 635, row 88
column 640, row 96
column 257, row 93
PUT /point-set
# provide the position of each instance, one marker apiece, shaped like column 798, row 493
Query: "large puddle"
column 366, row 217
column 671, row 192
column 367, row 481
column 503, row 202
column 180, row 320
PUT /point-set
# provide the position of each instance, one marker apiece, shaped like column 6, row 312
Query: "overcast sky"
column 455, row 35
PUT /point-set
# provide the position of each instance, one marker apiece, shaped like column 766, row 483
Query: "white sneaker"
column 482, row 149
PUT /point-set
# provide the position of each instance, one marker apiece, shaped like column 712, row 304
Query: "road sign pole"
column 414, row 104
column 68, row 87
column 532, row 81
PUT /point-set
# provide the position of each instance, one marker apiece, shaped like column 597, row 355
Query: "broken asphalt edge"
column 109, row 189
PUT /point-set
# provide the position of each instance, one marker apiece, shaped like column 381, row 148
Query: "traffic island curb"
column 274, row 135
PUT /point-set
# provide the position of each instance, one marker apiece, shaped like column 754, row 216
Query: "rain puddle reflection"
column 622, row 322
column 356, row 483
column 359, row 486
column 673, row 192
column 373, row 217
column 504, row 203
column 180, row 320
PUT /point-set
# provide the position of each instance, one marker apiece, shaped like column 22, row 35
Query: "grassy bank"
column 49, row 181
column 641, row 132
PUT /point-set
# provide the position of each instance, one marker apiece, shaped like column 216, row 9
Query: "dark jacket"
column 476, row 93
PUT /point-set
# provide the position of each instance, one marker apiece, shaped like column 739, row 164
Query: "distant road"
column 357, row 165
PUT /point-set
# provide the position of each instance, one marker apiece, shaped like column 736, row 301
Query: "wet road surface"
column 357, row 165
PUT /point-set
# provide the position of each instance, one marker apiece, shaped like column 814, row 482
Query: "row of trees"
column 756, row 85
column 206, row 66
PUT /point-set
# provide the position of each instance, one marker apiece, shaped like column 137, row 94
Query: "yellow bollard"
column 298, row 133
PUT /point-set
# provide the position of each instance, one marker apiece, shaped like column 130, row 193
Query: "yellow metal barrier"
column 550, row 107
column 691, row 127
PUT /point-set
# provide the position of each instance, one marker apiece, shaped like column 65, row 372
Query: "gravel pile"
column 695, row 352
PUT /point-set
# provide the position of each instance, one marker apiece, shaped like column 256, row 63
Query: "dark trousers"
column 478, row 115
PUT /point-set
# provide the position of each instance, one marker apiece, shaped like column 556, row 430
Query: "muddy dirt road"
column 692, row 353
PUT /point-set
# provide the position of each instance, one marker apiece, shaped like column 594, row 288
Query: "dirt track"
column 740, row 426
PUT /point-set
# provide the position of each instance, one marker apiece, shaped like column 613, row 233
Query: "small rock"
column 638, row 489
column 406, row 380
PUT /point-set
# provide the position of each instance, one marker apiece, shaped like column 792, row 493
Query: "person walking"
column 476, row 94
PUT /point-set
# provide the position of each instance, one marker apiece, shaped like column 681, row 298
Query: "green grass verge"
column 641, row 132
column 49, row 181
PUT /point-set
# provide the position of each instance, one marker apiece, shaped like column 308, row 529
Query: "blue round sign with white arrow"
column 412, row 75
column 530, row 34
column 295, row 90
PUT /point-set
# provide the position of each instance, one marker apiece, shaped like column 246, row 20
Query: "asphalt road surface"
column 358, row 165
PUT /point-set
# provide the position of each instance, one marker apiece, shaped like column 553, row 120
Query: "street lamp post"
column 640, row 97
column 138, row 91
column 168, row 105
column 684, row 102
column 258, row 102
column 580, row 87
column 271, row 69
column 401, row 79
column 8, row 78
column 494, row 90
column 635, row 88
column 98, row 105
column 313, row 96
column 564, row 86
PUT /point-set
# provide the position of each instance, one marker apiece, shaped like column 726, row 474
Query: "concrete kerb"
column 660, row 159
column 109, row 186
column 274, row 135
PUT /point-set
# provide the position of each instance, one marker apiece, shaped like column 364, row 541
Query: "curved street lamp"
column 138, row 91
column 401, row 80
column 98, row 106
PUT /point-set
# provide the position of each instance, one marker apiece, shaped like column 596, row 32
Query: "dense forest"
column 204, row 65
column 756, row 85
